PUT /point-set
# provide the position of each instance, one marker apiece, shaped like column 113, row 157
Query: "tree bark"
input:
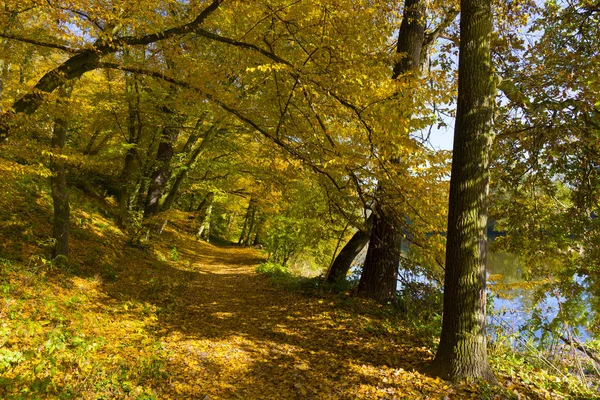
column 462, row 351
column 246, row 221
column 338, row 270
column 246, row 240
column 257, row 230
column 144, row 176
column 58, row 182
column 90, row 146
column 380, row 272
column 162, row 170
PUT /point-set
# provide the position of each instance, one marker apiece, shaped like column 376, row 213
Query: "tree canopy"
column 304, row 128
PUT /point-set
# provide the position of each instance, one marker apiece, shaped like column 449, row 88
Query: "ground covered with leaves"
column 177, row 318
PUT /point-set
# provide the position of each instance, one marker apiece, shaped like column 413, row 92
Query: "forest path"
column 229, row 333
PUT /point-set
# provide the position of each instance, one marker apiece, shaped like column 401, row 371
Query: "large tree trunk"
column 462, row 350
column 338, row 270
column 257, row 231
column 162, row 170
column 58, row 182
column 380, row 272
column 247, row 218
column 252, row 220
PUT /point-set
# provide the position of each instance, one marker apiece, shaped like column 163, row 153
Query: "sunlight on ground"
column 194, row 322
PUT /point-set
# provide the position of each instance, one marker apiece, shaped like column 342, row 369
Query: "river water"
column 514, row 297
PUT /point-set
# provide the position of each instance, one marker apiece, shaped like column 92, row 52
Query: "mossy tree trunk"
column 204, row 214
column 462, row 351
column 134, row 130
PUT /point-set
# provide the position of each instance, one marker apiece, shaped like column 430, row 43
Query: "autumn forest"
column 299, row 199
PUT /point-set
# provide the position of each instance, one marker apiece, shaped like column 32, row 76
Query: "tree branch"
column 87, row 60
column 39, row 43
column 230, row 110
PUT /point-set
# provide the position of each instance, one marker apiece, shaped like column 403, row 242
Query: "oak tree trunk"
column 462, row 350
column 380, row 272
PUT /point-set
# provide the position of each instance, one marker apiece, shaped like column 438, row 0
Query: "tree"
column 88, row 58
column 179, row 177
column 162, row 169
column 204, row 213
column 546, row 170
column 134, row 130
column 343, row 261
column 58, row 180
column 380, row 272
column 462, row 351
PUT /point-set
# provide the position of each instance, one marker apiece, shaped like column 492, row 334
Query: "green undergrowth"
column 61, row 337
column 520, row 374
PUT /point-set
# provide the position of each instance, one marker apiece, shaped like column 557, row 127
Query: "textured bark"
column 462, row 350
column 162, row 170
column 410, row 37
column 343, row 261
column 58, row 182
column 380, row 272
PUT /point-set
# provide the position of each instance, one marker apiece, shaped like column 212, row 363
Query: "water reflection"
column 514, row 294
column 515, row 298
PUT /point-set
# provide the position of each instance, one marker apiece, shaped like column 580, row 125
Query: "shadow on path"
column 230, row 334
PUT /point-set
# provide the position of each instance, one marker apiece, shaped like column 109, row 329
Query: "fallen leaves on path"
column 127, row 323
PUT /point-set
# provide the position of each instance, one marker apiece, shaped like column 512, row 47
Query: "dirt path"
column 230, row 334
